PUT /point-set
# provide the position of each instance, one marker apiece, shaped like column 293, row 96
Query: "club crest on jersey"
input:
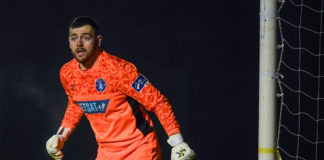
column 92, row 107
column 100, row 85
column 139, row 83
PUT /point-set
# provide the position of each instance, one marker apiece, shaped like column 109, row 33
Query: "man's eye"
column 86, row 38
column 73, row 38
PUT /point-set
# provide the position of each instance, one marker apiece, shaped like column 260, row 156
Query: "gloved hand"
column 180, row 149
column 55, row 144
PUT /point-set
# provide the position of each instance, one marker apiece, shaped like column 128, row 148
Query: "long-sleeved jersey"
column 111, row 94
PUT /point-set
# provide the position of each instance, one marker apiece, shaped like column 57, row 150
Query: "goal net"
column 301, row 80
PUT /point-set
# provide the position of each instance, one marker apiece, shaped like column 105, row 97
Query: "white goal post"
column 267, row 80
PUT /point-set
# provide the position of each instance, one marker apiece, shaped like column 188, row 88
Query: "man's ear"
column 99, row 38
column 69, row 39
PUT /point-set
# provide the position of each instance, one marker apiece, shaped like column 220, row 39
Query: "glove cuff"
column 175, row 139
column 64, row 133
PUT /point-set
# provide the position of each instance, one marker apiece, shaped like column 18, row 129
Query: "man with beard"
column 114, row 97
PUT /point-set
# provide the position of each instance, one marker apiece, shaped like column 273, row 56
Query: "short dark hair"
column 85, row 20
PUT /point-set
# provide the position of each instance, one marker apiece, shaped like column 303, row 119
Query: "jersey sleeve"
column 73, row 112
column 138, row 87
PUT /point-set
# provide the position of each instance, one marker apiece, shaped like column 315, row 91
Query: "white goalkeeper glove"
column 180, row 149
column 56, row 143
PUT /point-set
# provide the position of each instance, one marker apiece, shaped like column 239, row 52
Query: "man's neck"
column 87, row 65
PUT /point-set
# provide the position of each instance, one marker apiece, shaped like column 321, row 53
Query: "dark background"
column 202, row 55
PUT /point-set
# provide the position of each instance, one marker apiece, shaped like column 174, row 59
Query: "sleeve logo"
column 92, row 107
column 140, row 83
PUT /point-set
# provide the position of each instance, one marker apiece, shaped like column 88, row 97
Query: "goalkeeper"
column 114, row 97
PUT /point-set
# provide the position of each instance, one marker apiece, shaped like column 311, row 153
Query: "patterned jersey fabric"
column 112, row 95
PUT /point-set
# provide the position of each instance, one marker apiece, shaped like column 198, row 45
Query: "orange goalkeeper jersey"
column 111, row 94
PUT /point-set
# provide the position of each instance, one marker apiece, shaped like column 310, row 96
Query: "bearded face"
column 84, row 44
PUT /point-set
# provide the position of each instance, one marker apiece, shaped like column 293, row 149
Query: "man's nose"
column 79, row 42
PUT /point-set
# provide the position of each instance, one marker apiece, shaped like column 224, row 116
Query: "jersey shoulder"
column 68, row 68
column 117, row 64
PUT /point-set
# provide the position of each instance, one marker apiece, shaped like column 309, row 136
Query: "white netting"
column 301, row 117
